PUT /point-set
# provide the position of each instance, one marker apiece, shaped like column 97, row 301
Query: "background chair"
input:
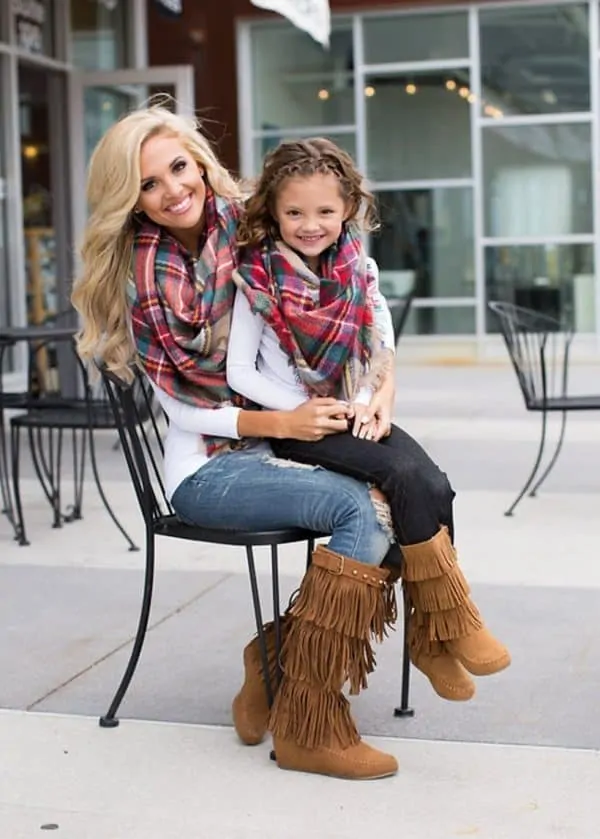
column 60, row 399
column 142, row 448
column 538, row 346
column 400, row 310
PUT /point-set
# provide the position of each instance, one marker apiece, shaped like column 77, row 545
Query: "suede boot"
column 250, row 708
column 341, row 606
column 447, row 636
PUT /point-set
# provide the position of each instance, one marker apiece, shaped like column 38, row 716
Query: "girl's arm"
column 312, row 420
column 242, row 374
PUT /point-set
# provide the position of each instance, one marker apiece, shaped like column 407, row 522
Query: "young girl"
column 304, row 326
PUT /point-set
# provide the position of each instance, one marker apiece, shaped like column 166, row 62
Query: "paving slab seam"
column 173, row 613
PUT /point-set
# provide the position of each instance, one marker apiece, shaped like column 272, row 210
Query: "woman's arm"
column 312, row 420
column 247, row 329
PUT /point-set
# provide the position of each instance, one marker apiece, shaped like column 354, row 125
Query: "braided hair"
column 300, row 159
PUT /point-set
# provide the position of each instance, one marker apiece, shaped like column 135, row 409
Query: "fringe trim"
column 326, row 658
column 345, row 604
column 385, row 619
column 312, row 717
column 437, row 595
column 428, row 560
column 428, row 628
column 252, row 657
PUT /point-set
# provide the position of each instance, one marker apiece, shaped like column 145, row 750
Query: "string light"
column 369, row 90
column 411, row 89
column 323, row 94
column 450, row 84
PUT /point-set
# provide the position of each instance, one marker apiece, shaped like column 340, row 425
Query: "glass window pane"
column 557, row 280
column 33, row 25
column 535, row 59
column 537, row 179
column 98, row 35
column 447, row 320
column 416, row 37
column 298, row 83
column 418, row 126
column 262, row 145
column 426, row 243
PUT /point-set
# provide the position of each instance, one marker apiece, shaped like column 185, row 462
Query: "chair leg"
column 108, row 508
column 259, row 622
column 536, row 466
column 276, row 612
column 78, row 476
column 310, row 549
column 554, row 457
column 109, row 719
column 38, row 458
column 15, row 448
column 404, row 709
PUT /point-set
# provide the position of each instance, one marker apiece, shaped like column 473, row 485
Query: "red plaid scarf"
column 181, row 309
column 324, row 324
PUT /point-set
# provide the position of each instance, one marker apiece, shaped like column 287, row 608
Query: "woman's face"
column 172, row 190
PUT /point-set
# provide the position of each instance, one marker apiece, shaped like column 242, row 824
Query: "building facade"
column 477, row 126
column 67, row 71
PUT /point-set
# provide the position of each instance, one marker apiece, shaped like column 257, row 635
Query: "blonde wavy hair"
column 113, row 187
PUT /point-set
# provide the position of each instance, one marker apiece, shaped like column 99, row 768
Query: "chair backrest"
column 400, row 310
column 538, row 346
column 141, row 440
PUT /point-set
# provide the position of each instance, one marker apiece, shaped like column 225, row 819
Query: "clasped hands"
column 321, row 416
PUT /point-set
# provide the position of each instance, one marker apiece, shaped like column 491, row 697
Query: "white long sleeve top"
column 255, row 363
column 260, row 370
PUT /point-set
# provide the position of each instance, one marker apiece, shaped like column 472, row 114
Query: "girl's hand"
column 316, row 419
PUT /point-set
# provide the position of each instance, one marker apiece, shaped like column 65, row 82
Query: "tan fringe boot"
column 446, row 631
column 250, row 708
column 342, row 604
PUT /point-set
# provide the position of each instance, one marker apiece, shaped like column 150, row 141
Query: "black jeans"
column 418, row 492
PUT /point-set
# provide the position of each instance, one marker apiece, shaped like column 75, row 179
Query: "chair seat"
column 567, row 403
column 73, row 417
column 172, row 526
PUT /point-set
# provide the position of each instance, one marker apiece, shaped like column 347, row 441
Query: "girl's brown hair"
column 299, row 159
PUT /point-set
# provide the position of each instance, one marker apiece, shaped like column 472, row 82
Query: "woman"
column 156, row 289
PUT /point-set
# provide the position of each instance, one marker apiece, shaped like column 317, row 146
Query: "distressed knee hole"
column 282, row 463
column 382, row 512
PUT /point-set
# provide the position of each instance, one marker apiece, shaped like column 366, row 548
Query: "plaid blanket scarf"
column 324, row 324
column 181, row 310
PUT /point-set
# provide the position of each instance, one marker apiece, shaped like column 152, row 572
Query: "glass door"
column 99, row 99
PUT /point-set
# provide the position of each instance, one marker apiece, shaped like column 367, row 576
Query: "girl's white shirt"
column 257, row 368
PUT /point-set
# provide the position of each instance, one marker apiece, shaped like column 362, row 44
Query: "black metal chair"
column 51, row 409
column 538, row 346
column 400, row 310
column 142, row 446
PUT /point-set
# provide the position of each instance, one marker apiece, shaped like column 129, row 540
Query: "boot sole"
column 445, row 690
column 377, row 777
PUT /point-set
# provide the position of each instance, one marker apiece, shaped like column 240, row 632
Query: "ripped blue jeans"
column 249, row 489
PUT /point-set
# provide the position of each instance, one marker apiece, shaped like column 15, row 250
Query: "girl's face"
column 310, row 211
column 172, row 190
